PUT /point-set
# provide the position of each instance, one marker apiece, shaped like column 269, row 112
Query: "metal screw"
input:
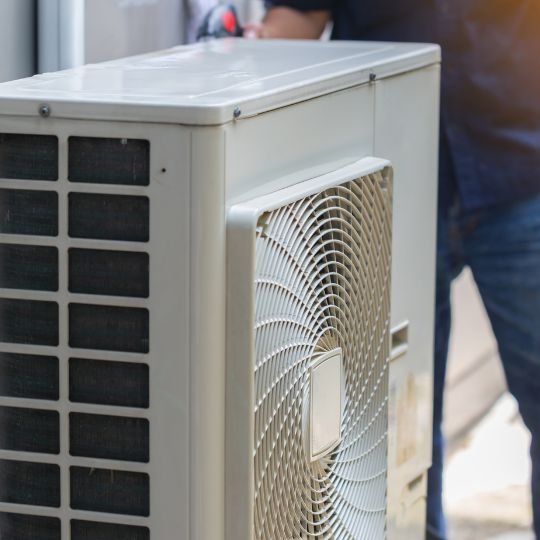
column 237, row 112
column 372, row 77
column 44, row 111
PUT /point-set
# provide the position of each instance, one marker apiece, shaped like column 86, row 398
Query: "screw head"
column 237, row 112
column 44, row 111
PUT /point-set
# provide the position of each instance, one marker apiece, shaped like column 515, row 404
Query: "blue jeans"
column 502, row 248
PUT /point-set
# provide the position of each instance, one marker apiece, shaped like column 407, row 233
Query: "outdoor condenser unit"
column 195, row 323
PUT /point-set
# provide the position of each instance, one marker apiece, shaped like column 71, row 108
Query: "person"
column 489, row 173
column 195, row 12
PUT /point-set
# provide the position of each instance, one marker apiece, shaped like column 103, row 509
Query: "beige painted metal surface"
column 404, row 137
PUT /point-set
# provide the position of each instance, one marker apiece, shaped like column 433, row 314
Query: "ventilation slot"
column 109, row 383
column 28, row 321
column 113, row 273
column 36, row 484
column 112, row 492
column 29, row 430
column 109, row 217
column 28, row 157
column 90, row 530
column 400, row 340
column 28, row 212
column 109, row 161
column 108, row 328
column 25, row 527
column 28, row 376
column 109, row 437
column 35, row 313
column 28, row 267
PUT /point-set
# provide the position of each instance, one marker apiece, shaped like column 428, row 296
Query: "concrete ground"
column 486, row 480
column 487, row 473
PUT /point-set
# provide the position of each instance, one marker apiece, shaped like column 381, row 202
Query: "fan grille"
column 322, row 282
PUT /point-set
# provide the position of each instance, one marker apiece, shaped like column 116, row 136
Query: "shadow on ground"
column 481, row 530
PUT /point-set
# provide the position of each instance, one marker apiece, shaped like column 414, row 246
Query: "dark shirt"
column 490, row 110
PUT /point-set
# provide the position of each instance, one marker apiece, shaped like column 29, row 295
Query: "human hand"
column 254, row 30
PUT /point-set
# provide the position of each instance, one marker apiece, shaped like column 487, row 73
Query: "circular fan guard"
column 322, row 282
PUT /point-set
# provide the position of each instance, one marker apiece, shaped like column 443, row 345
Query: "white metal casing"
column 203, row 160
column 203, row 84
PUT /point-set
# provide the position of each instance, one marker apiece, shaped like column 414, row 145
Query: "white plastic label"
column 326, row 404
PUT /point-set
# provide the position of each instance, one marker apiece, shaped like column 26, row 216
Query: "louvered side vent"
column 74, row 338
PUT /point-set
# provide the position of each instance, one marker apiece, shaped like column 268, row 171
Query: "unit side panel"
column 207, row 311
column 298, row 142
column 406, row 133
column 111, row 203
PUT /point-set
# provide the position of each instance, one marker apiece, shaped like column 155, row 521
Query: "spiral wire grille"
column 322, row 281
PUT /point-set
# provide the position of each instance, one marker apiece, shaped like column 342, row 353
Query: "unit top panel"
column 205, row 83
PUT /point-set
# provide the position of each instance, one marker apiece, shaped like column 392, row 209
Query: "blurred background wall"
column 76, row 32
column 17, row 39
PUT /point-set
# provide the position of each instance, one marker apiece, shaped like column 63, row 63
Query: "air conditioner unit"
column 195, row 323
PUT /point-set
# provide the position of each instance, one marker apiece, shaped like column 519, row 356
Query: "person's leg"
column 504, row 255
column 449, row 264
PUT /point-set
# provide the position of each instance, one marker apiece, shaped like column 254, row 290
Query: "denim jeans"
column 502, row 248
